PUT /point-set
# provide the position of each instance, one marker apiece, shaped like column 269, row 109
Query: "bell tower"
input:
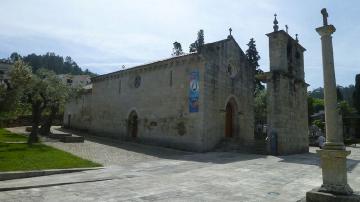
column 287, row 115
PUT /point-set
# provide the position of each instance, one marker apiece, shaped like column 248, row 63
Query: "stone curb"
column 50, row 185
column 35, row 173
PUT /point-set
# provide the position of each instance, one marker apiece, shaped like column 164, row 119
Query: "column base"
column 334, row 171
column 334, row 146
column 316, row 195
column 343, row 189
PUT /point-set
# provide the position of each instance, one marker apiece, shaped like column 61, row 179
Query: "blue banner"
column 194, row 91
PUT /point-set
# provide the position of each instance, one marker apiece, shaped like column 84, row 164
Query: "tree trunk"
column 36, row 114
column 45, row 128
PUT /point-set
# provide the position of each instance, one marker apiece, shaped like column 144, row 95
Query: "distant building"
column 4, row 72
column 75, row 80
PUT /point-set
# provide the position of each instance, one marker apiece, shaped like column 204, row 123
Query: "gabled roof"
column 145, row 65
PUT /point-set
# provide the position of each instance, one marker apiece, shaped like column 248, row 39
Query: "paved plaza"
column 136, row 172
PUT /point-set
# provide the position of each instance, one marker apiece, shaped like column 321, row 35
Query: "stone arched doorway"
column 133, row 124
column 231, row 119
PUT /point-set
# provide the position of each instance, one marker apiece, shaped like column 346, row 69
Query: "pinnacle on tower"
column 276, row 27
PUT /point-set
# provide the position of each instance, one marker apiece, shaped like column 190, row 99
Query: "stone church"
column 194, row 101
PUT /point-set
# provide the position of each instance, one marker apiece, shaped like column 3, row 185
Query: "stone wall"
column 77, row 113
column 160, row 101
column 287, row 113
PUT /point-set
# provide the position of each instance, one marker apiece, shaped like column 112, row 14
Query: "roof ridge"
column 161, row 60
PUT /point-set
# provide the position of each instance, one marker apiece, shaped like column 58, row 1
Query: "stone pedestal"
column 334, row 172
column 317, row 196
column 335, row 187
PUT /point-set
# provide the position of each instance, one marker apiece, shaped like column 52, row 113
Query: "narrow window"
column 171, row 78
column 119, row 86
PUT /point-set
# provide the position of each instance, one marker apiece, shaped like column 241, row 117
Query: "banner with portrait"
column 194, row 91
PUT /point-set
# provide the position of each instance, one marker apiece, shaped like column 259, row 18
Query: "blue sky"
column 103, row 35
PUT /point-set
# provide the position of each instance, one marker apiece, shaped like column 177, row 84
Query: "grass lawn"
column 16, row 157
column 6, row 136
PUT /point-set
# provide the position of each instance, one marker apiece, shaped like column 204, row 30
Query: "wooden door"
column 134, row 126
column 229, row 121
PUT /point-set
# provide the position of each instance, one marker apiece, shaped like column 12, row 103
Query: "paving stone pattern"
column 145, row 173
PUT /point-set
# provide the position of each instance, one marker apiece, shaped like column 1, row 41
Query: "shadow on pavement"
column 168, row 153
column 313, row 159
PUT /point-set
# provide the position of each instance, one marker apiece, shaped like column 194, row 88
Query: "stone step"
column 229, row 145
column 72, row 139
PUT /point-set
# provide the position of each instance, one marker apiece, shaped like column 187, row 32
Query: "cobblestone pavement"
column 147, row 175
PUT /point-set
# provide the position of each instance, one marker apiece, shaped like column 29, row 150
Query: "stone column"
column 333, row 139
column 333, row 156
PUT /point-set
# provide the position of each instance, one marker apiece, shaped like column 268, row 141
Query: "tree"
column 339, row 94
column 310, row 107
column 36, row 96
column 177, row 49
column 40, row 91
column 45, row 91
column 253, row 58
column 319, row 123
column 199, row 43
column 20, row 76
column 260, row 106
column 356, row 94
column 49, row 61
column 57, row 95
column 318, row 105
column 15, row 57
column 344, row 108
column 317, row 93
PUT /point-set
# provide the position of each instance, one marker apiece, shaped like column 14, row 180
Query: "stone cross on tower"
column 325, row 16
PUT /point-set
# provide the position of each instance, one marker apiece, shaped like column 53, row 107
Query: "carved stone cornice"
column 326, row 30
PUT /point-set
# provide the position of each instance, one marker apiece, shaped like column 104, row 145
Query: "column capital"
column 325, row 30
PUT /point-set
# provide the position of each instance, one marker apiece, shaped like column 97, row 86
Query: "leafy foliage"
column 343, row 93
column 199, row 43
column 49, row 61
column 344, row 108
column 45, row 90
column 253, row 58
column 38, row 91
column 11, row 96
column 356, row 94
column 260, row 106
column 317, row 93
column 339, row 94
column 318, row 105
column 319, row 123
column 15, row 57
column 310, row 102
column 177, row 49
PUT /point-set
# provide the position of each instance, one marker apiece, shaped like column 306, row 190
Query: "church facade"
column 188, row 102
column 194, row 101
